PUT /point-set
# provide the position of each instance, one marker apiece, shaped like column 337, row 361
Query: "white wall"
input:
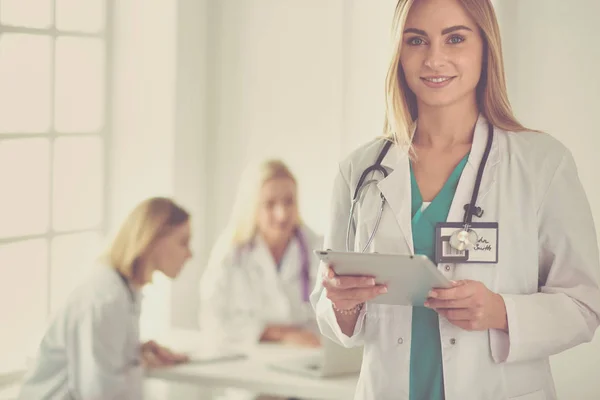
column 276, row 73
column 159, row 131
column 143, row 135
column 367, row 50
column 552, row 61
column 190, row 178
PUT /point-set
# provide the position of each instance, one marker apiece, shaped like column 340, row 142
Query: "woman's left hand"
column 469, row 305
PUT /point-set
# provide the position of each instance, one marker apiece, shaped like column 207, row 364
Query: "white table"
column 253, row 373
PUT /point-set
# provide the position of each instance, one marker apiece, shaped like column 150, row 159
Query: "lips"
column 437, row 82
column 437, row 79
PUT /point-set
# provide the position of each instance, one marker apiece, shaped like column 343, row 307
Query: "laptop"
column 332, row 360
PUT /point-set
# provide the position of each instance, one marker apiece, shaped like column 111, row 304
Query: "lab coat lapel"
column 396, row 190
column 263, row 262
column 464, row 191
column 276, row 304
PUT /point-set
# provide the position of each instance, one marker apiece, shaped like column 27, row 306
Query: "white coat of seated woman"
column 261, row 271
column 257, row 285
column 91, row 349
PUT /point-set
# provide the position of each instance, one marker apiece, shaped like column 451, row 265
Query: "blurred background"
column 104, row 103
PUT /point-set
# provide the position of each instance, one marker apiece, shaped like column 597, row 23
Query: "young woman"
column 262, row 270
column 454, row 153
column 92, row 347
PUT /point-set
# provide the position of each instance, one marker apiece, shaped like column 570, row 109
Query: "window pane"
column 24, row 180
column 28, row 13
column 23, row 296
column 79, row 84
column 72, row 259
column 78, row 183
column 80, row 15
column 24, row 83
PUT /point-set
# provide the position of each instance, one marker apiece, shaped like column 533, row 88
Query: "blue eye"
column 456, row 39
column 416, row 41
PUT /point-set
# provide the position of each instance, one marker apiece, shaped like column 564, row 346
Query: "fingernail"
column 427, row 304
column 432, row 294
column 383, row 290
column 336, row 282
column 371, row 282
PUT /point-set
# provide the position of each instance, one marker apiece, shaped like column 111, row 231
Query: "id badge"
column 485, row 250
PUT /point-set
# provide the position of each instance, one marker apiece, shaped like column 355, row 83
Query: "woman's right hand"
column 155, row 355
column 348, row 292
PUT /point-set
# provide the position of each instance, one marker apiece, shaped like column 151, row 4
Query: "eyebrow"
column 444, row 32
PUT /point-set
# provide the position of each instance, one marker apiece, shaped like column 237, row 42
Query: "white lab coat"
column 91, row 350
column 242, row 292
column 548, row 270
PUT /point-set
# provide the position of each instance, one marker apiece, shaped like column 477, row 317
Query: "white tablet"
column 408, row 278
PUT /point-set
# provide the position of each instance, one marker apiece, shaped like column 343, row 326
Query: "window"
column 53, row 144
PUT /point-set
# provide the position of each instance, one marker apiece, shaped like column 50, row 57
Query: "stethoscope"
column 462, row 239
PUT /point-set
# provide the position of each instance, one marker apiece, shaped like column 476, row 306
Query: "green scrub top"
column 426, row 371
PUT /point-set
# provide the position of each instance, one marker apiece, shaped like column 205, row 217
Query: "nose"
column 436, row 57
column 281, row 213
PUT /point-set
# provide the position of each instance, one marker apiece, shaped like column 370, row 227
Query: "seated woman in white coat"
column 499, row 208
column 92, row 347
column 262, row 269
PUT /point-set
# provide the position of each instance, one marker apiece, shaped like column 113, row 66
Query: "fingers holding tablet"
column 348, row 291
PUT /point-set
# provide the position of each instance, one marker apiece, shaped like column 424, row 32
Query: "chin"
column 439, row 101
column 172, row 274
column 278, row 232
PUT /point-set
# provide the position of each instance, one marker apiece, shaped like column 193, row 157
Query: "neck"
column 144, row 277
column 444, row 127
column 277, row 246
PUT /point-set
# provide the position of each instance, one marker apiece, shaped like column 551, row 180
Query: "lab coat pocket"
column 484, row 273
column 385, row 321
column 537, row 395
column 387, row 340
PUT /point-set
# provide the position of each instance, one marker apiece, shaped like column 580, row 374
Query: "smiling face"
column 277, row 215
column 442, row 53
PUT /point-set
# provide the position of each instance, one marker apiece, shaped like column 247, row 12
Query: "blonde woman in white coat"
column 262, row 269
column 491, row 335
column 92, row 349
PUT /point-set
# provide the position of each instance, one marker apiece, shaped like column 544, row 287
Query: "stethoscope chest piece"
column 463, row 239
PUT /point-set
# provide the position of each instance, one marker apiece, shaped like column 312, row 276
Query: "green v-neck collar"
column 439, row 206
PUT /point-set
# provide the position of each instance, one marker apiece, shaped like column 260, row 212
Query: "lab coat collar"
column 113, row 275
column 396, row 186
column 261, row 254
column 396, row 189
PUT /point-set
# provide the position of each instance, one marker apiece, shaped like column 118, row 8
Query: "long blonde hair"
column 149, row 220
column 492, row 97
column 242, row 224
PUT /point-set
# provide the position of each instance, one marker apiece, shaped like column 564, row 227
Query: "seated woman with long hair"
column 91, row 349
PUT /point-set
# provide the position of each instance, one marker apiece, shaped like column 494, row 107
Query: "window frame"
column 52, row 134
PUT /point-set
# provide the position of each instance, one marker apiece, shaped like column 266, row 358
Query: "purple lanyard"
column 305, row 267
column 304, row 263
